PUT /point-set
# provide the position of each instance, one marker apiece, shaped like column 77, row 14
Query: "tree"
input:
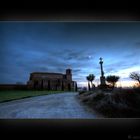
column 112, row 79
column 91, row 78
column 88, row 79
column 135, row 76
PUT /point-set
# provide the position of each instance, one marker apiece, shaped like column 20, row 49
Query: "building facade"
column 52, row 81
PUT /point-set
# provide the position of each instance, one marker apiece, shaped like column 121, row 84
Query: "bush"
column 119, row 103
column 81, row 92
column 129, row 97
column 98, row 97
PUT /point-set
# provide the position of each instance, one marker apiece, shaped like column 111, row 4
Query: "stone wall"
column 46, row 76
column 12, row 87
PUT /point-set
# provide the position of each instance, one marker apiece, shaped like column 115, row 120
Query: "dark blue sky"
column 26, row 47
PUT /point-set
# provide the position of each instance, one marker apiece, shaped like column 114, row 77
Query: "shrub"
column 98, row 97
column 120, row 103
column 81, row 92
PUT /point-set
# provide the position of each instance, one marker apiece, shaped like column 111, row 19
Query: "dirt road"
column 55, row 106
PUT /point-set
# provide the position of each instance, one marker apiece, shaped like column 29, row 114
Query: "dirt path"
column 55, row 106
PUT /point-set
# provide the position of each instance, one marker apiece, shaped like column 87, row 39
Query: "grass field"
column 20, row 94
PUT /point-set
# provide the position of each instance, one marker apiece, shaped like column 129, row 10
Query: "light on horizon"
column 118, row 84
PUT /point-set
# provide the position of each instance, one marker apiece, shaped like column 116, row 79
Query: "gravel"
column 56, row 106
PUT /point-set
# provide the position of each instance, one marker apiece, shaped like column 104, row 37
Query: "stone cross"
column 102, row 78
column 101, row 63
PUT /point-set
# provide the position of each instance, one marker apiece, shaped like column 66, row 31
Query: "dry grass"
column 120, row 103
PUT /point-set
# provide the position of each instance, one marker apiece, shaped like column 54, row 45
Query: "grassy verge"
column 20, row 94
column 122, row 103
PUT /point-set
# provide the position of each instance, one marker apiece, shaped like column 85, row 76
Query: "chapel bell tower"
column 69, row 74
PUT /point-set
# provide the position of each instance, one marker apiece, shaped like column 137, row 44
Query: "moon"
column 89, row 56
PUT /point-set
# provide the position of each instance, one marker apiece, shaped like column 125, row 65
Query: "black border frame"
column 99, row 128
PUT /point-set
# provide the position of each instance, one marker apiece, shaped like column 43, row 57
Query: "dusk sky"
column 27, row 47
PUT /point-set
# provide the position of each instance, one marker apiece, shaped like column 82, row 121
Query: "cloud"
column 122, row 64
column 75, row 71
column 77, row 54
column 124, row 73
column 53, row 47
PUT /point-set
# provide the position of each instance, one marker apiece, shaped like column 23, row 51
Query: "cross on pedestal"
column 102, row 78
column 101, row 63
